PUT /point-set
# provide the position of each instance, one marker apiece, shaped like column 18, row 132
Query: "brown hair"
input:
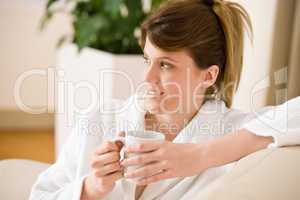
column 212, row 31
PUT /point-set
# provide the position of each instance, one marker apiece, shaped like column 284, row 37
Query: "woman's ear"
column 211, row 75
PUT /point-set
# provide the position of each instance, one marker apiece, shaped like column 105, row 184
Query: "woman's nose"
column 151, row 75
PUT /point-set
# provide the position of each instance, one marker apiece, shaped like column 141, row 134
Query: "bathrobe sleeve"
column 282, row 122
column 64, row 179
column 59, row 181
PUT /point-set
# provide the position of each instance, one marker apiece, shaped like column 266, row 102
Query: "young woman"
column 194, row 49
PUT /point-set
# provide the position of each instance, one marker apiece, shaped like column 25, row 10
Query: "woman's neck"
column 169, row 124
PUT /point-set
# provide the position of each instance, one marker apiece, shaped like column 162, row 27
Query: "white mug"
column 137, row 137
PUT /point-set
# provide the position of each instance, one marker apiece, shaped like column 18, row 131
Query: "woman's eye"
column 146, row 61
column 164, row 65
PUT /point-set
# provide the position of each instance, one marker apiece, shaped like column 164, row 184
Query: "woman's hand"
column 106, row 170
column 163, row 160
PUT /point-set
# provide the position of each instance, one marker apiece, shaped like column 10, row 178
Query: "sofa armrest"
column 269, row 174
column 17, row 177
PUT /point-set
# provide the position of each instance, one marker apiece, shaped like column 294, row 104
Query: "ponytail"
column 233, row 18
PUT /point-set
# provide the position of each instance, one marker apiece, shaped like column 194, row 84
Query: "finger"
column 147, row 170
column 141, row 159
column 107, row 169
column 118, row 142
column 113, row 176
column 106, row 147
column 144, row 147
column 105, row 159
column 157, row 177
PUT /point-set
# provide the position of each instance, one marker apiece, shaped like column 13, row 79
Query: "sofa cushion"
column 17, row 177
column 269, row 174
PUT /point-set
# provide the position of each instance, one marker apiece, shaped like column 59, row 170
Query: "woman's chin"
column 159, row 110
column 156, row 107
column 154, row 110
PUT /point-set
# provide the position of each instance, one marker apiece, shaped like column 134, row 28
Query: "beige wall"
column 23, row 48
column 272, row 23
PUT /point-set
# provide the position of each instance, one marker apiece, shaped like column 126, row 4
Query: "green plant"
column 109, row 25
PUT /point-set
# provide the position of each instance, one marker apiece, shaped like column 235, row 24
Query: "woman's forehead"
column 154, row 52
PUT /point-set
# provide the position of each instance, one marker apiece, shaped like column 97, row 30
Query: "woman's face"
column 174, row 83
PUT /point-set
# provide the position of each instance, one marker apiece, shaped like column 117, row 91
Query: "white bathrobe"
column 63, row 180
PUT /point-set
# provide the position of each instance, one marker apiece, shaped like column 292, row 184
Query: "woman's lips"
column 154, row 94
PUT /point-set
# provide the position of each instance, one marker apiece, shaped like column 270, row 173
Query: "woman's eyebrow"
column 162, row 57
column 166, row 57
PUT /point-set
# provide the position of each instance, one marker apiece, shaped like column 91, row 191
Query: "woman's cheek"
column 172, row 100
column 171, row 104
column 168, row 103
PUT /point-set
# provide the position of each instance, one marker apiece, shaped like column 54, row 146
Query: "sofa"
column 17, row 176
column 269, row 174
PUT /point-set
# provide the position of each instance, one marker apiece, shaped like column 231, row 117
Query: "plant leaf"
column 61, row 41
column 100, row 25
column 49, row 3
column 45, row 19
column 86, row 29
column 113, row 7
